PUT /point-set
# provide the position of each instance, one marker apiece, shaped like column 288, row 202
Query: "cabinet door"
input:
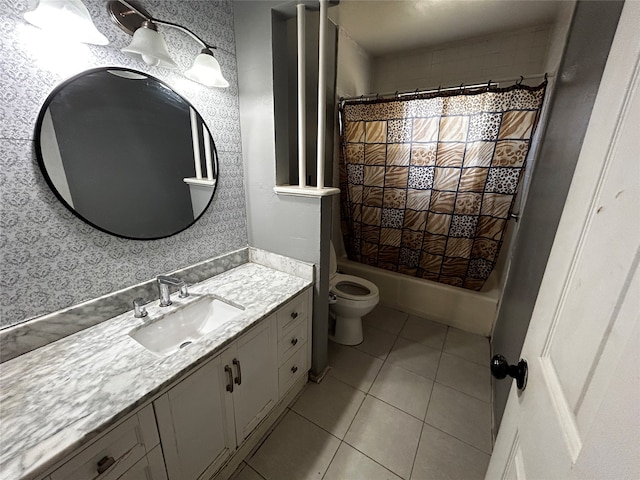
column 195, row 420
column 255, row 377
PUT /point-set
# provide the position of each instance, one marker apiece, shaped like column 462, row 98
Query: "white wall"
column 354, row 67
column 496, row 57
column 558, row 36
column 353, row 78
column 291, row 226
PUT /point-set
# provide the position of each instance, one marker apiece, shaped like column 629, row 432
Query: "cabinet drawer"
column 292, row 370
column 291, row 313
column 293, row 339
column 115, row 452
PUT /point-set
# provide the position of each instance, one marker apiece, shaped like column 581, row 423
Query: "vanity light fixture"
column 66, row 18
column 149, row 45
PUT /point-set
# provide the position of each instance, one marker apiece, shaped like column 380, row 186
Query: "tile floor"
column 411, row 402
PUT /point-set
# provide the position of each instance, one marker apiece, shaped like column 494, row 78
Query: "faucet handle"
column 138, row 306
column 184, row 291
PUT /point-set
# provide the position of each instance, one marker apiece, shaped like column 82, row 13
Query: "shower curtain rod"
column 417, row 91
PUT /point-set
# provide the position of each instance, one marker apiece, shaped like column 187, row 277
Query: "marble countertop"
column 56, row 398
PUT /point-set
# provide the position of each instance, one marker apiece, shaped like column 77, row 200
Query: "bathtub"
column 467, row 310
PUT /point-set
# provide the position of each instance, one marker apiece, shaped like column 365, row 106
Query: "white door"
column 579, row 416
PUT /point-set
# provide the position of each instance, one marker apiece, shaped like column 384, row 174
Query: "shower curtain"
column 428, row 181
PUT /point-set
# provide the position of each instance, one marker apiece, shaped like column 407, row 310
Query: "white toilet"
column 354, row 298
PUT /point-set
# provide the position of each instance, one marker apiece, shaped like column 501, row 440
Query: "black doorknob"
column 500, row 368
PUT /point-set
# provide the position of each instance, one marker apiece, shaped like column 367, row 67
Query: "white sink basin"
column 184, row 325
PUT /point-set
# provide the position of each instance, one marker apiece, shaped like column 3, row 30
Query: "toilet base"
column 348, row 331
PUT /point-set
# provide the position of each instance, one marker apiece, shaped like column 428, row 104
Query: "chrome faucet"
column 163, row 288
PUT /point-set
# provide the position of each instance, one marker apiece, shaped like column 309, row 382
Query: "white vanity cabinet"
column 195, row 421
column 192, row 430
column 203, row 418
column 255, row 376
column 294, row 352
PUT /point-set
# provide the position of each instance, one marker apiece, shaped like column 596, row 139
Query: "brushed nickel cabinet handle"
column 294, row 369
column 294, row 315
column 294, row 341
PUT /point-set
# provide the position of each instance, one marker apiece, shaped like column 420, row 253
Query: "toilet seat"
column 360, row 283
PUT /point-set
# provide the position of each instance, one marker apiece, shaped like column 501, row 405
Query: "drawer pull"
column 104, row 464
column 227, row 369
column 108, row 463
column 294, row 341
column 294, row 369
column 238, row 379
column 294, row 315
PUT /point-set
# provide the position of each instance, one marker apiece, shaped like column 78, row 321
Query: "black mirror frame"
column 43, row 170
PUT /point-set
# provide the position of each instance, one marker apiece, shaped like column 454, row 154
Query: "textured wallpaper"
column 50, row 259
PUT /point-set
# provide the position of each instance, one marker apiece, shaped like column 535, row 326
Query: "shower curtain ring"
column 461, row 87
column 488, row 85
column 519, row 82
column 545, row 76
column 396, row 94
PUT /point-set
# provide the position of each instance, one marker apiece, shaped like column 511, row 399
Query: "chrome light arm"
column 151, row 19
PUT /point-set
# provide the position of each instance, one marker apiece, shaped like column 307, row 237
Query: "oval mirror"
column 126, row 154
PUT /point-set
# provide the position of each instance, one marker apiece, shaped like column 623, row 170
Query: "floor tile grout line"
column 459, row 439
column 382, row 366
column 374, row 460
column 428, row 402
column 332, row 459
column 463, row 393
column 398, row 408
column 262, row 441
column 465, row 358
column 331, row 433
column 367, row 394
column 459, row 356
column 345, row 383
column 415, row 456
column 254, row 470
column 316, row 425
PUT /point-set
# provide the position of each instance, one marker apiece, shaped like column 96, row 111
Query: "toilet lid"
column 353, row 288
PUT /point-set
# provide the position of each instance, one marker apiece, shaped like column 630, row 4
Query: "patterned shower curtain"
column 428, row 182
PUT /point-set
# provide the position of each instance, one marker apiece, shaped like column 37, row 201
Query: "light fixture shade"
column 206, row 70
column 66, row 18
column 151, row 47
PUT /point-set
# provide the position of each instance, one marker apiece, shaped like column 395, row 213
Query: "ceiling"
column 386, row 26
